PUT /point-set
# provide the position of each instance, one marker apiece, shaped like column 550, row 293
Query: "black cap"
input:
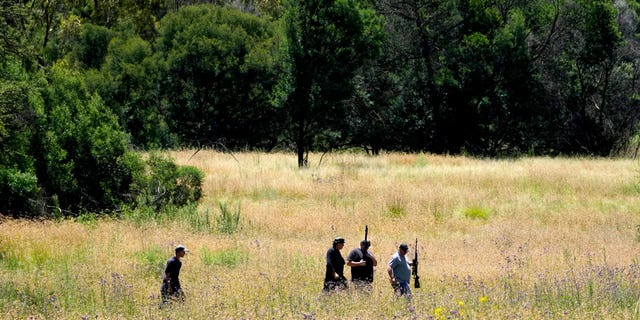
column 404, row 247
column 338, row 240
column 365, row 242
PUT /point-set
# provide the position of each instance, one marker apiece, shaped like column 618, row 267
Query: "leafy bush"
column 18, row 182
column 218, row 68
column 70, row 156
column 17, row 188
column 80, row 147
column 165, row 183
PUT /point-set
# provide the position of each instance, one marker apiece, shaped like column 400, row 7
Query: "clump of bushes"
column 63, row 153
column 161, row 183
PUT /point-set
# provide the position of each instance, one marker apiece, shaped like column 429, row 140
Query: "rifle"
column 366, row 245
column 368, row 268
column 414, row 268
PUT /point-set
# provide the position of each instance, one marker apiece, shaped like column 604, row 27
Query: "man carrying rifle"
column 362, row 262
column 399, row 269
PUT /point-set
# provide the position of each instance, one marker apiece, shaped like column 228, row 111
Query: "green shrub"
column 79, row 147
column 188, row 185
column 166, row 183
column 69, row 156
column 228, row 221
column 17, row 188
column 476, row 213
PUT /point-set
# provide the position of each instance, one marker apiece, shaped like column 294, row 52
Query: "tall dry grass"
column 530, row 238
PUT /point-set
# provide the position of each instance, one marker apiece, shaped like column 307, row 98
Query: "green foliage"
column 17, row 190
column 18, row 182
column 167, row 215
column 87, row 219
column 152, row 258
column 228, row 221
column 201, row 222
column 591, row 60
column 12, row 41
column 167, row 184
column 601, row 33
column 64, row 152
column 221, row 66
column 18, row 107
column 91, row 48
column 476, row 213
column 229, row 258
column 188, row 185
column 327, row 41
column 82, row 146
column 129, row 84
column 397, row 208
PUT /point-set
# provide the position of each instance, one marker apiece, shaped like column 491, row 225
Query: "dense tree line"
column 83, row 82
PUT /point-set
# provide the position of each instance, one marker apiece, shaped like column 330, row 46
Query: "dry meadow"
column 531, row 238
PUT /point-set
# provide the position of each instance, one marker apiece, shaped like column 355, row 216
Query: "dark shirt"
column 173, row 269
column 361, row 273
column 335, row 263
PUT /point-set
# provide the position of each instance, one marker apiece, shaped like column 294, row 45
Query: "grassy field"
column 535, row 238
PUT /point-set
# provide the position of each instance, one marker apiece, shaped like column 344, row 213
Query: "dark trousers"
column 331, row 285
column 171, row 293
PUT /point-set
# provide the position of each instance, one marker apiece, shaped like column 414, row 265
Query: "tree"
column 327, row 41
column 128, row 83
column 12, row 16
column 80, row 149
column 592, row 74
column 18, row 182
column 77, row 158
column 506, row 106
column 220, row 67
column 427, row 35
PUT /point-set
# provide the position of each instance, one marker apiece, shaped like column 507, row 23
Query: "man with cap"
column 362, row 263
column 334, row 276
column 399, row 269
column 171, row 289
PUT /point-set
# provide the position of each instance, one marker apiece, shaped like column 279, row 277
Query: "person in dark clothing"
column 362, row 263
column 171, row 289
column 334, row 278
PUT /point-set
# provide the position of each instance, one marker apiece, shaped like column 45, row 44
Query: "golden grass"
column 553, row 227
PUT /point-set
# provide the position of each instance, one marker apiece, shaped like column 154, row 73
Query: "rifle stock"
column 414, row 268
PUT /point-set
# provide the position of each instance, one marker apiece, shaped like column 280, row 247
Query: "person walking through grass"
column 362, row 263
column 334, row 278
column 399, row 270
column 171, row 289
